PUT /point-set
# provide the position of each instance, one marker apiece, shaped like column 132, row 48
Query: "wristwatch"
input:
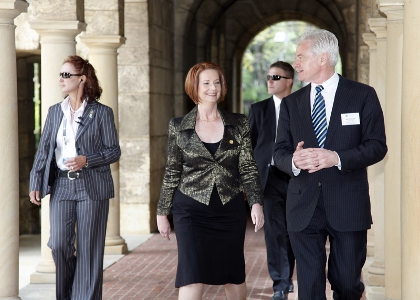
column 86, row 165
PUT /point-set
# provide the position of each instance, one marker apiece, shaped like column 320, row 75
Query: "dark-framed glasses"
column 276, row 77
column 68, row 75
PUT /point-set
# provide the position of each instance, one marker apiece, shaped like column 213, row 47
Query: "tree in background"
column 277, row 42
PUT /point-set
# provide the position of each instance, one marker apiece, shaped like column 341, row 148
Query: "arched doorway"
column 276, row 42
column 221, row 30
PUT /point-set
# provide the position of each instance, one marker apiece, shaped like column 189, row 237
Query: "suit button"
column 268, row 165
column 319, row 183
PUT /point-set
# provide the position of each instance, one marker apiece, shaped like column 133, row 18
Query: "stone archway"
column 221, row 30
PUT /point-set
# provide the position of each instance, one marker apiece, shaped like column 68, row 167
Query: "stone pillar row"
column 376, row 271
column 370, row 40
column 9, row 159
column 394, row 79
column 103, row 57
column 410, row 149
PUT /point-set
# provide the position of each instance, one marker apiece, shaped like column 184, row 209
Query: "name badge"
column 350, row 119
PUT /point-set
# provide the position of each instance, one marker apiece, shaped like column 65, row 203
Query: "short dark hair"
column 191, row 82
column 286, row 67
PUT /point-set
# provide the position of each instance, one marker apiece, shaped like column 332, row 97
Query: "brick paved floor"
column 148, row 272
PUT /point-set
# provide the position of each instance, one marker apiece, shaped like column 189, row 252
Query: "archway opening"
column 276, row 42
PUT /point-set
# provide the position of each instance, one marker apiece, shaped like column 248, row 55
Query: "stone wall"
column 134, row 115
column 162, row 98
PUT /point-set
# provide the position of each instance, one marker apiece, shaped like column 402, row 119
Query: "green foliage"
column 277, row 42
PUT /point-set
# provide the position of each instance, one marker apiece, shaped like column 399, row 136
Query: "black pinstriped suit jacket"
column 96, row 138
column 262, row 122
column 346, row 192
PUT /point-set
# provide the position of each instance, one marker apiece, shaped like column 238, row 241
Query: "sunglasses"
column 276, row 77
column 68, row 75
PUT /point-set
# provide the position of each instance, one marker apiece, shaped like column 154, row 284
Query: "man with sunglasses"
column 263, row 119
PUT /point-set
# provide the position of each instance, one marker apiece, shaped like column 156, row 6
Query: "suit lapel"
column 270, row 113
column 89, row 114
column 231, row 135
column 304, row 106
column 57, row 120
column 189, row 139
column 341, row 100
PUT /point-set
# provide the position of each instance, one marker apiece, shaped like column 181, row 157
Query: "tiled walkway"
column 148, row 272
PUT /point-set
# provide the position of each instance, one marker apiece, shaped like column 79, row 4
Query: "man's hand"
column 323, row 159
column 314, row 159
column 303, row 158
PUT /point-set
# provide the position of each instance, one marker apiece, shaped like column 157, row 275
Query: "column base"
column 376, row 274
column 43, row 278
column 116, row 249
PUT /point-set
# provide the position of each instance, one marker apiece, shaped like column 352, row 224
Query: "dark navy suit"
column 331, row 202
column 280, row 258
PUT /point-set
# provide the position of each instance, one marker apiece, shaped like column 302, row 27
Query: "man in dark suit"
column 263, row 119
column 330, row 132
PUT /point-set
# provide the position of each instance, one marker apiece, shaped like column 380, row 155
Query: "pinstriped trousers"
column 74, row 217
column 345, row 262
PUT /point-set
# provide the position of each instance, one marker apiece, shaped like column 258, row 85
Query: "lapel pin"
column 91, row 114
column 231, row 142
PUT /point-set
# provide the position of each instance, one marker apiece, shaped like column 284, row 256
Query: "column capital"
column 370, row 40
column 59, row 30
column 10, row 9
column 378, row 26
column 394, row 13
column 102, row 41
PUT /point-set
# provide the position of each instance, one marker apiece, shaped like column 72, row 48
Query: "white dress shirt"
column 330, row 88
column 66, row 139
column 277, row 103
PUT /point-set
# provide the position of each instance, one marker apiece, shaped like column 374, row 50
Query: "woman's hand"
column 76, row 163
column 257, row 216
column 34, row 197
column 163, row 226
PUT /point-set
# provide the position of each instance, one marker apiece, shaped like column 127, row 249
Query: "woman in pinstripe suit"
column 78, row 143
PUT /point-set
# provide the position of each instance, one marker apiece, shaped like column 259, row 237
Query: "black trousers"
column 345, row 262
column 280, row 258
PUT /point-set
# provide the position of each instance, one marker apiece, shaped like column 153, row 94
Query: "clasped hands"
column 314, row 159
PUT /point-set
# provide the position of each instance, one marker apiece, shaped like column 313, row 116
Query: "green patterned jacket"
column 194, row 171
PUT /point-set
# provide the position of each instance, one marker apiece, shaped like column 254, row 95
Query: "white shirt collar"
column 65, row 106
column 277, row 101
column 328, row 85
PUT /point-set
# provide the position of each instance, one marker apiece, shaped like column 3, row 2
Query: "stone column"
column 103, row 57
column 394, row 56
column 370, row 40
column 376, row 274
column 57, row 40
column 410, row 145
column 9, row 155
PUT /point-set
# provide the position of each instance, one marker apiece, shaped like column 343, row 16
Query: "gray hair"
column 323, row 41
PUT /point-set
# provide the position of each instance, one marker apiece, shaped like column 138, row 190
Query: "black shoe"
column 279, row 296
column 291, row 286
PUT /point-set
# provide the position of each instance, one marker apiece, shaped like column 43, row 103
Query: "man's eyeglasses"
column 276, row 77
column 68, row 75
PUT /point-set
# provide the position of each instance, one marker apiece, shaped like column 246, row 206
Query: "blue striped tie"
column 319, row 117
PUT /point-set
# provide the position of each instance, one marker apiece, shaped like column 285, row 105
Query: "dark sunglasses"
column 68, row 75
column 276, row 77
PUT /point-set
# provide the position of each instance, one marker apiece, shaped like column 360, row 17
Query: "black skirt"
column 210, row 240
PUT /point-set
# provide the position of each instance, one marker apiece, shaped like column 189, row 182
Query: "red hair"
column 91, row 89
column 191, row 82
